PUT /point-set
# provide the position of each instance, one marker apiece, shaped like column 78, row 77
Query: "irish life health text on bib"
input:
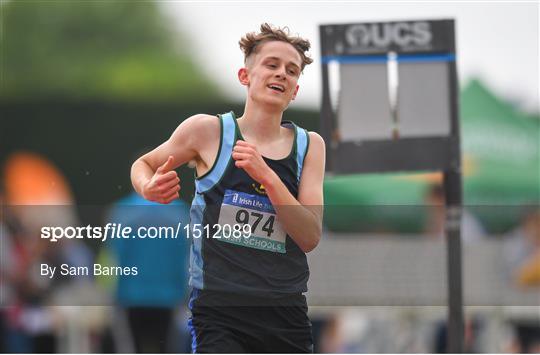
column 241, row 208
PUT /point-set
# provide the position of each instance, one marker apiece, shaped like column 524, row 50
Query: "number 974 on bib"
column 240, row 208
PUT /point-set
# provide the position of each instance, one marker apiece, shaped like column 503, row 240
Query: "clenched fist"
column 247, row 157
column 163, row 187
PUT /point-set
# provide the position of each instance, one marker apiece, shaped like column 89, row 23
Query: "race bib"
column 239, row 208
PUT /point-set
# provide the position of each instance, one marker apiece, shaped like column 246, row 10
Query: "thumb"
column 168, row 166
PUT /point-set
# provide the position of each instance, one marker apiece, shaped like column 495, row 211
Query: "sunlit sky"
column 496, row 41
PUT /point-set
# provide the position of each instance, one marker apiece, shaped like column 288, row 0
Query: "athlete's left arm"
column 301, row 218
column 306, row 223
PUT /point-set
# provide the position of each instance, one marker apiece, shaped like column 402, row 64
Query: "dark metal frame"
column 401, row 155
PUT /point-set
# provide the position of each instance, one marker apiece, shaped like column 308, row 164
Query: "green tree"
column 95, row 50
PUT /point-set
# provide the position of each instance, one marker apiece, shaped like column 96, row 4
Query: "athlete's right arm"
column 153, row 175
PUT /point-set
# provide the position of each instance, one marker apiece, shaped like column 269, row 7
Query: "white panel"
column 423, row 99
column 364, row 106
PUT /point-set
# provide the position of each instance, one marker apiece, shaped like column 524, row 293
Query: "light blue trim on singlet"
column 227, row 141
column 195, row 257
column 198, row 206
column 302, row 145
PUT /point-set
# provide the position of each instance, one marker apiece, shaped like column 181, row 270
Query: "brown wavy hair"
column 250, row 43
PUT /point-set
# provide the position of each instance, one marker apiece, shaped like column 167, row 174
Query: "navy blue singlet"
column 265, row 263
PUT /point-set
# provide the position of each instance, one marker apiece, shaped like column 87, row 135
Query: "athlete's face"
column 271, row 75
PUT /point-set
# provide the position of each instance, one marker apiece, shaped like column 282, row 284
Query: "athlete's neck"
column 260, row 124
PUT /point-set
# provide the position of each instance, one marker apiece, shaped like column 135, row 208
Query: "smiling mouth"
column 277, row 88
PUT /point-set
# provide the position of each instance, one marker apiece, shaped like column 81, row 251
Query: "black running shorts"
column 224, row 322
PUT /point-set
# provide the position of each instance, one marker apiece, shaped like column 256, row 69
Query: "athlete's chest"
column 238, row 179
column 276, row 149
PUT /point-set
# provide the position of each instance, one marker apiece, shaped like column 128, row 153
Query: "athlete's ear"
column 243, row 76
column 295, row 92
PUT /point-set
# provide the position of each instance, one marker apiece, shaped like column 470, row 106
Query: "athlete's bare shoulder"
column 201, row 121
column 197, row 130
column 199, row 135
column 203, row 118
column 316, row 139
column 207, row 130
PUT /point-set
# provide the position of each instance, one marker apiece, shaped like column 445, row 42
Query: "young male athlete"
column 258, row 176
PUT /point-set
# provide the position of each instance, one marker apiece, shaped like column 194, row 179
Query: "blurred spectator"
column 526, row 337
column 30, row 325
column 346, row 332
column 472, row 327
column 7, row 265
column 533, row 346
column 151, row 297
column 27, row 328
column 386, row 330
column 522, row 256
column 329, row 339
column 471, row 228
column 522, row 251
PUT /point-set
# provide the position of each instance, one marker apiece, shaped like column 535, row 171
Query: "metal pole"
column 452, row 186
column 454, row 201
column 326, row 118
column 326, row 126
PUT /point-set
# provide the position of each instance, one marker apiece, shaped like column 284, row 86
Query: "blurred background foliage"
column 96, row 50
